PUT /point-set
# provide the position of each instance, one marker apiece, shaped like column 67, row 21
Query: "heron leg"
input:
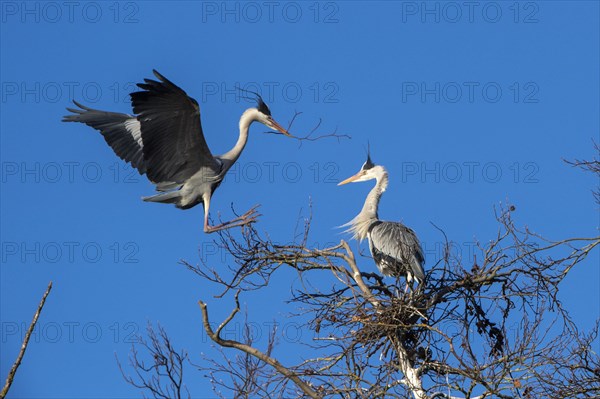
column 206, row 207
column 409, row 282
column 246, row 218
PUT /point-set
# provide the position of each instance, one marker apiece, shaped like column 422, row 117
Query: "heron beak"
column 279, row 128
column 350, row 179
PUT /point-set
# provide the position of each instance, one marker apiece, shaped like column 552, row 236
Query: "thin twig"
column 309, row 136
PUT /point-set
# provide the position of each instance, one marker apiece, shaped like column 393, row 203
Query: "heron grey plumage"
column 395, row 247
column 163, row 139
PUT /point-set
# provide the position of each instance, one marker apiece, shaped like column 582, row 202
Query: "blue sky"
column 467, row 106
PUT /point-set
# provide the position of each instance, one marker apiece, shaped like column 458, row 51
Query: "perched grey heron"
column 394, row 247
column 164, row 140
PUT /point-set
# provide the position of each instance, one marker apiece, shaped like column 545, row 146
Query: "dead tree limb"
column 17, row 363
column 216, row 337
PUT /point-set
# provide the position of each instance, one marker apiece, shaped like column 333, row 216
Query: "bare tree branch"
column 592, row 166
column 215, row 336
column 17, row 363
column 162, row 376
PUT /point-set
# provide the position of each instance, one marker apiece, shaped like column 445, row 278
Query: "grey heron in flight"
column 163, row 139
column 394, row 247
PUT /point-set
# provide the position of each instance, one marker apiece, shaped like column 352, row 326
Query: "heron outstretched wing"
column 120, row 131
column 174, row 145
column 399, row 242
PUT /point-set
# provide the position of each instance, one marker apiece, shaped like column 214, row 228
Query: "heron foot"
column 247, row 218
column 251, row 215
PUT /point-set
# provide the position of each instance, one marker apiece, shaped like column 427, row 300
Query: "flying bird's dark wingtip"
column 75, row 112
column 79, row 105
column 162, row 78
column 159, row 85
column 158, row 75
column 74, row 117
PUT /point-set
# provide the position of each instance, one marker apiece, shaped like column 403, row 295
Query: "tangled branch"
column 162, row 375
column 488, row 327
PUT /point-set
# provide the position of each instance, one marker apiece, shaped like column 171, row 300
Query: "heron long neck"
column 359, row 226
column 246, row 120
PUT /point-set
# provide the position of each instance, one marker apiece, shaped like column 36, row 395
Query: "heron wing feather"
column 120, row 131
column 174, row 144
column 399, row 242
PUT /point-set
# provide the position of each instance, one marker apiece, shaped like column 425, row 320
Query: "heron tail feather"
column 171, row 197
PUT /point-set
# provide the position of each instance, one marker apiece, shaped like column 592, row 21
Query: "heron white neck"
column 359, row 226
column 249, row 116
column 372, row 202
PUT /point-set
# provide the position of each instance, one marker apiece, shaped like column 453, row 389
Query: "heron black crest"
column 369, row 164
column 262, row 107
column 260, row 104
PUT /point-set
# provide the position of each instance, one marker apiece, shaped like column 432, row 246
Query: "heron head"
column 263, row 114
column 367, row 171
column 264, row 117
